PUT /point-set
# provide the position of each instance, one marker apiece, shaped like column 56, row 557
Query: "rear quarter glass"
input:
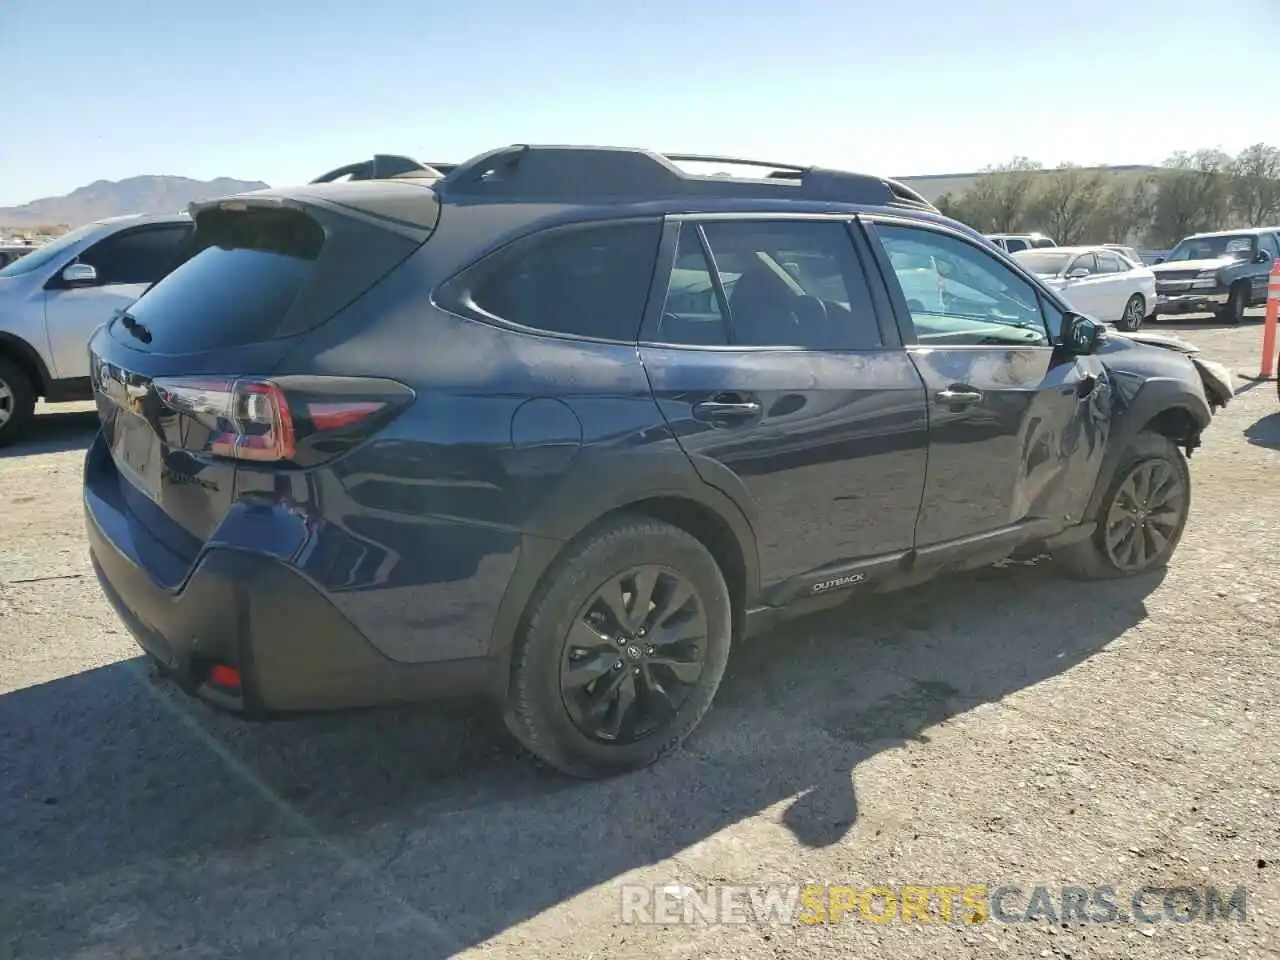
column 258, row 274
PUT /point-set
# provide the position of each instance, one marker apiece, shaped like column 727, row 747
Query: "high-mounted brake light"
column 253, row 419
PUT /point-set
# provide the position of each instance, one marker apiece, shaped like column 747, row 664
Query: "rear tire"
column 17, row 401
column 1134, row 312
column 662, row 654
column 1237, row 300
column 1141, row 517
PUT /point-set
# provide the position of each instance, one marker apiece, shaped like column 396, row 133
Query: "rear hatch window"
column 253, row 273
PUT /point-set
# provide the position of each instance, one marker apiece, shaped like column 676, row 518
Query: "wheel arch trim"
column 29, row 357
column 1156, row 397
column 601, row 487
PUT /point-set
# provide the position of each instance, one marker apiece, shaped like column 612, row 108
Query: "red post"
column 1268, row 368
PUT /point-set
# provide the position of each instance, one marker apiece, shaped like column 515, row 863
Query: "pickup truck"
column 1222, row 273
column 1013, row 242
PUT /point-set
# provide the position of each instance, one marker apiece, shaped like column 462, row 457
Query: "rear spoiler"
column 387, row 166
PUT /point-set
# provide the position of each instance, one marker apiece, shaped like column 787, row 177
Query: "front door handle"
column 958, row 396
column 726, row 409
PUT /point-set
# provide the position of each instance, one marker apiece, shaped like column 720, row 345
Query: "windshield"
column 1043, row 262
column 1211, row 248
column 49, row 253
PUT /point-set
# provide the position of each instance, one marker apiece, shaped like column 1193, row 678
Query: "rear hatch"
column 182, row 380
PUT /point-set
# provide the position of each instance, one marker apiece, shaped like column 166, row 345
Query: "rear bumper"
column 295, row 652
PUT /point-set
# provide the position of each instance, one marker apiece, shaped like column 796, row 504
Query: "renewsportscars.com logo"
column 935, row 903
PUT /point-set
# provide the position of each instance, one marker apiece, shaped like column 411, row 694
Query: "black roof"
column 627, row 174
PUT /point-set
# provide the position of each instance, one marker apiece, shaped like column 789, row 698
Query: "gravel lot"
column 1007, row 727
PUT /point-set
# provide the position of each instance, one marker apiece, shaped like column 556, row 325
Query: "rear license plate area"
column 137, row 454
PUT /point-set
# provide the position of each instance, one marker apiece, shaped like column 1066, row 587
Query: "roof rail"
column 385, row 166
column 531, row 171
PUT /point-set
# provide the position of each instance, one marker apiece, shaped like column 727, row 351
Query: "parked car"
column 1129, row 253
column 1222, row 273
column 564, row 424
column 1096, row 281
column 10, row 252
column 1013, row 242
column 52, row 299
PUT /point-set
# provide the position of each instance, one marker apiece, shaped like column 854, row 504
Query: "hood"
column 1216, row 263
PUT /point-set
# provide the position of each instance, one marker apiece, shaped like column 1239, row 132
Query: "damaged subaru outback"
column 558, row 425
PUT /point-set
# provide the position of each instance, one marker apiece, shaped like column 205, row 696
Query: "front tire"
column 1141, row 517
column 17, row 401
column 1134, row 312
column 624, row 649
column 1237, row 300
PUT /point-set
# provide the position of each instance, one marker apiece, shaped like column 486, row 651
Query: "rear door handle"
column 726, row 409
column 958, row 396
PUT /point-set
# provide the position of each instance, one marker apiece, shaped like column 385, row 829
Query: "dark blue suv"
column 560, row 423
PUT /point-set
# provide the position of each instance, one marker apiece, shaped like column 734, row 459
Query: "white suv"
column 53, row 298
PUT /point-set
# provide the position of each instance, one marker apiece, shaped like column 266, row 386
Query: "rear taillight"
column 299, row 420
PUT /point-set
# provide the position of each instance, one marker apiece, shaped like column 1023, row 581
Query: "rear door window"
column 792, row 283
column 235, row 285
column 585, row 282
column 693, row 313
column 1014, row 245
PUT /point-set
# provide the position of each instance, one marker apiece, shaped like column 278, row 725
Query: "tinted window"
column 1268, row 243
column 135, row 256
column 236, row 284
column 692, row 313
column 589, row 282
column 1013, row 246
column 793, row 283
column 968, row 297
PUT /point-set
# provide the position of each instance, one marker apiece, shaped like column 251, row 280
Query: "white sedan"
column 1097, row 281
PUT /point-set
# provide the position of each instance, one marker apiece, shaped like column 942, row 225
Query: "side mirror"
column 1263, row 257
column 1079, row 273
column 1080, row 335
column 79, row 275
column 1157, row 260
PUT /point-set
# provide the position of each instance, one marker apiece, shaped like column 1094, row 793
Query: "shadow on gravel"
column 1265, row 432
column 139, row 823
column 54, row 432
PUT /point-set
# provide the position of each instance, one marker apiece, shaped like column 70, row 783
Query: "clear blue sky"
column 282, row 90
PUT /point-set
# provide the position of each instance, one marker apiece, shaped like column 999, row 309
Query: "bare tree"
column 1255, row 184
column 1193, row 194
column 1124, row 210
column 998, row 200
column 1066, row 201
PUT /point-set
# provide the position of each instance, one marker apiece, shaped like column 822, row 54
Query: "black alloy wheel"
column 1146, row 514
column 633, row 654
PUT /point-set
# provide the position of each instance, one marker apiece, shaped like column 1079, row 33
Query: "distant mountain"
column 107, row 198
